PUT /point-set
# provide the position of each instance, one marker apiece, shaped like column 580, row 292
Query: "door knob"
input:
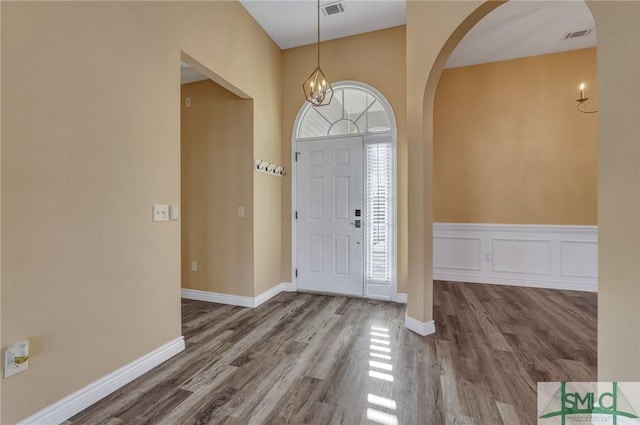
column 357, row 224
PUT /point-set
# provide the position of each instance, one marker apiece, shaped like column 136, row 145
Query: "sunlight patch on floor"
column 380, row 343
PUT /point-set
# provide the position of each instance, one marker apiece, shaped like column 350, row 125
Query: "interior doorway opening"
column 515, row 165
column 216, row 191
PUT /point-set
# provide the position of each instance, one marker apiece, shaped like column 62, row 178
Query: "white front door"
column 329, row 224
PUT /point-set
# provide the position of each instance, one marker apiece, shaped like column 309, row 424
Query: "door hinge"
column 296, row 272
column 296, row 215
column 297, row 153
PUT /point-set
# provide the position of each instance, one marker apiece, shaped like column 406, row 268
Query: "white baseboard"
column 400, row 298
column 542, row 256
column 421, row 328
column 529, row 283
column 287, row 287
column 238, row 300
column 270, row 293
column 215, row 297
column 73, row 404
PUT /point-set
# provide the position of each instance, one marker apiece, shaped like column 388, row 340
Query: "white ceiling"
column 525, row 28
column 292, row 23
column 519, row 28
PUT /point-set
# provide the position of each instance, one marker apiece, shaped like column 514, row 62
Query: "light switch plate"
column 240, row 211
column 160, row 212
column 174, row 212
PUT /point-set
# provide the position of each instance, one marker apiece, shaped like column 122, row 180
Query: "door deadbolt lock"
column 357, row 224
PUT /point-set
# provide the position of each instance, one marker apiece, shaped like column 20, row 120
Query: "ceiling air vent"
column 577, row 34
column 332, row 8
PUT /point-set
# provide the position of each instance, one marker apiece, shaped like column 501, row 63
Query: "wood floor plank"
column 508, row 414
column 324, row 362
column 191, row 409
column 318, row 413
column 252, row 393
column 495, row 338
column 480, row 403
column 155, row 406
column 113, row 421
column 448, row 381
column 316, row 359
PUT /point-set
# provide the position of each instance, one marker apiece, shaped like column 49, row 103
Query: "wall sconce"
column 583, row 100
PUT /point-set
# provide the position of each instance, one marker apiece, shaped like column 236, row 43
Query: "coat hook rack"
column 270, row 168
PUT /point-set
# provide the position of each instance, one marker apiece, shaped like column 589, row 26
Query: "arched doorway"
column 423, row 74
column 344, row 202
column 510, row 148
column 618, row 186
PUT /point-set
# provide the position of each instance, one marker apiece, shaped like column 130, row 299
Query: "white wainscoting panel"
column 579, row 259
column 521, row 256
column 457, row 253
column 559, row 257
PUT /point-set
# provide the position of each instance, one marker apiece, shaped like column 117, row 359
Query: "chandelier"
column 317, row 89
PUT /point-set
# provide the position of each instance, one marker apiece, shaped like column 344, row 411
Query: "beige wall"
column 268, row 190
column 215, row 142
column 434, row 28
column 267, row 229
column 350, row 58
column 91, row 138
column 510, row 146
column 618, row 26
column 0, row 205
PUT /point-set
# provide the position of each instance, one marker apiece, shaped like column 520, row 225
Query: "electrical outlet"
column 160, row 212
column 240, row 211
column 16, row 359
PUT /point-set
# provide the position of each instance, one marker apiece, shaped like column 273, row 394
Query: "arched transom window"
column 353, row 110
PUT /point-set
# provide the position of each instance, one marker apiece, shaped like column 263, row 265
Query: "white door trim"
column 393, row 135
column 368, row 138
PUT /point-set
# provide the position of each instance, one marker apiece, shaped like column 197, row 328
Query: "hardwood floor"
column 314, row 359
